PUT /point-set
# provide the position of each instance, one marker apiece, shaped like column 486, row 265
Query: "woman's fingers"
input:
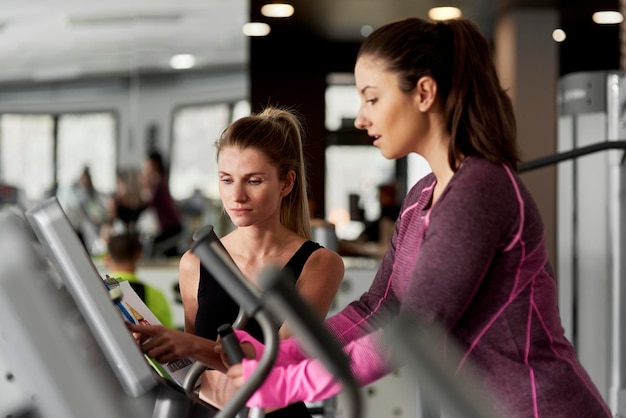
column 235, row 373
column 149, row 330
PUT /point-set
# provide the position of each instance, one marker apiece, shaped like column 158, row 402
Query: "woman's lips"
column 240, row 211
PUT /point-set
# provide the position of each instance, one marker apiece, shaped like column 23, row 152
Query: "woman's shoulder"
column 189, row 257
column 478, row 175
column 325, row 265
column 321, row 251
column 189, row 264
column 480, row 167
column 323, row 256
column 483, row 183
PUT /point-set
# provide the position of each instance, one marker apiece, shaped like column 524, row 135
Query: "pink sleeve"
column 288, row 351
column 308, row 380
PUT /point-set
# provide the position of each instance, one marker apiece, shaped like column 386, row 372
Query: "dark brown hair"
column 277, row 133
column 124, row 247
column 478, row 113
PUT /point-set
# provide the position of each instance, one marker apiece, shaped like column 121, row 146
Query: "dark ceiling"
column 71, row 39
column 588, row 46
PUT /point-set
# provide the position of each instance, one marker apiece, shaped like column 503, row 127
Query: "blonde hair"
column 277, row 133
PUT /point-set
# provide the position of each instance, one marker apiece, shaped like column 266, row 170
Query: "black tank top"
column 216, row 307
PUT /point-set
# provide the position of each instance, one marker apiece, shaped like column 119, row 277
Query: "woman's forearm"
column 204, row 352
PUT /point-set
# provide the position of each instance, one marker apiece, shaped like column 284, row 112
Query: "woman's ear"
column 290, row 179
column 426, row 93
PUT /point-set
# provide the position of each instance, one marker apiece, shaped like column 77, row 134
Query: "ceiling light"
column 182, row 61
column 444, row 13
column 559, row 35
column 607, row 17
column 277, row 10
column 366, row 30
column 256, row 29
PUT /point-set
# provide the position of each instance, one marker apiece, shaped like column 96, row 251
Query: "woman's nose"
column 239, row 193
column 359, row 122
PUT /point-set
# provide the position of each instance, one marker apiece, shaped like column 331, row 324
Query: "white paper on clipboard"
column 175, row 370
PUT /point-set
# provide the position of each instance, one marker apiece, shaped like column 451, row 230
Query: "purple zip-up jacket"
column 476, row 264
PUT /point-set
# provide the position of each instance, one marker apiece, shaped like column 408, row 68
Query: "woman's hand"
column 161, row 343
column 235, row 374
column 165, row 344
column 247, row 349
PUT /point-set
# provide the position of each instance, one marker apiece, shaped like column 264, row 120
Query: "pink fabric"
column 289, row 379
column 307, row 380
column 289, row 351
column 297, row 377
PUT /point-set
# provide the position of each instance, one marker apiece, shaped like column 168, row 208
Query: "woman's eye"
column 255, row 181
column 371, row 101
column 226, row 181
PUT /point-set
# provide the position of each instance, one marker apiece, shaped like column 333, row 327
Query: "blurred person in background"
column 86, row 209
column 155, row 193
column 125, row 206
